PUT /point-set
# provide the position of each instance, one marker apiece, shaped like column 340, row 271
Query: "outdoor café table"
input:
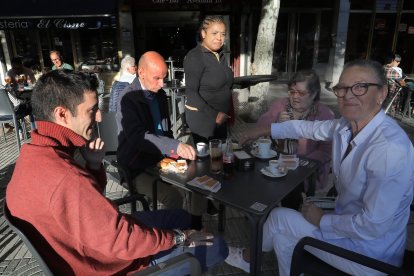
column 250, row 192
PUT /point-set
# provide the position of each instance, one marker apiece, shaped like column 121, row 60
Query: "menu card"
column 205, row 182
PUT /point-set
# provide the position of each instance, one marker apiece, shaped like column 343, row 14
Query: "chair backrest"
column 108, row 131
column 6, row 107
column 12, row 222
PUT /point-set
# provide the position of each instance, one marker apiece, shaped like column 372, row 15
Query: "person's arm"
column 193, row 69
column 294, row 129
column 137, row 135
column 388, row 189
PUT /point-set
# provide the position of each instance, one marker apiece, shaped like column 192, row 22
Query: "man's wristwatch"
column 179, row 237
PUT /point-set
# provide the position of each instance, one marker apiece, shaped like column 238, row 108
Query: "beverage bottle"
column 228, row 160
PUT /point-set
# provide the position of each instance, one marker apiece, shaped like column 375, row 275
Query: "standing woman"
column 208, row 83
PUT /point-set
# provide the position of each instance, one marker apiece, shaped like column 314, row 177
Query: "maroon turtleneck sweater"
column 84, row 231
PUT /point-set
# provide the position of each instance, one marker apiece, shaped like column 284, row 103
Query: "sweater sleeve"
column 94, row 221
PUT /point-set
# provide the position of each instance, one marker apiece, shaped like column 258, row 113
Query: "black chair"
column 7, row 115
column 108, row 131
column 305, row 262
column 173, row 263
column 16, row 225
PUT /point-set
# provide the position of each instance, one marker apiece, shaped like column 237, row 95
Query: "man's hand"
column 93, row 153
column 221, row 118
column 312, row 213
column 197, row 238
column 186, row 151
column 252, row 134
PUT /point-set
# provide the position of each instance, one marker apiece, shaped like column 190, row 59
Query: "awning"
column 69, row 14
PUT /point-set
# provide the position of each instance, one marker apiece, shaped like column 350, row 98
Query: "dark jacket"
column 208, row 89
column 138, row 145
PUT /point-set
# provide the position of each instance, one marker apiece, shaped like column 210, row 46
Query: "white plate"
column 266, row 172
column 203, row 155
column 271, row 154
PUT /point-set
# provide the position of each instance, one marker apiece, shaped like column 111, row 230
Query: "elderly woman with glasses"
column 302, row 103
column 372, row 159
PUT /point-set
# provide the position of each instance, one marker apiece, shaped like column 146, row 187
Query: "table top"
column 249, row 191
column 246, row 81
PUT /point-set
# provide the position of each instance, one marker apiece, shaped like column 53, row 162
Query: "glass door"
column 296, row 44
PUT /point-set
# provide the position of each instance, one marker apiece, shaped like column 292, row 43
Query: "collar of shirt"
column 147, row 94
column 346, row 131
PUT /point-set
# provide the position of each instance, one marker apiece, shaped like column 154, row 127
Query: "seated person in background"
column 302, row 104
column 18, row 69
column 395, row 74
column 84, row 231
column 58, row 63
column 145, row 135
column 372, row 162
column 128, row 74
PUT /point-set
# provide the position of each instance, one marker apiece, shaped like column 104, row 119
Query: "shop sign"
column 56, row 23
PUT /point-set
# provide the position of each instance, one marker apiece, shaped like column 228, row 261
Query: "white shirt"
column 374, row 183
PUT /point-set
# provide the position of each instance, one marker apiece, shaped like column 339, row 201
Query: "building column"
column 340, row 40
column 126, row 33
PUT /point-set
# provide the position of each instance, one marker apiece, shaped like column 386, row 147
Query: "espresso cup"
column 276, row 167
column 263, row 146
column 201, row 148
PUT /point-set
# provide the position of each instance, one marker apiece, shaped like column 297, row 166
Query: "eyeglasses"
column 55, row 59
column 358, row 89
column 299, row 93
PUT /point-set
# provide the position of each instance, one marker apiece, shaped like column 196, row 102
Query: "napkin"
column 205, row 182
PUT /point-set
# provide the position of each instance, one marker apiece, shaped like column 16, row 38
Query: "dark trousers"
column 208, row 256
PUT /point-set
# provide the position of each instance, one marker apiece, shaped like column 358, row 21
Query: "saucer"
column 203, row 155
column 271, row 154
column 268, row 173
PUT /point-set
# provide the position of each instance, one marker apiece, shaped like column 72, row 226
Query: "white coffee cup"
column 201, row 148
column 276, row 167
column 262, row 146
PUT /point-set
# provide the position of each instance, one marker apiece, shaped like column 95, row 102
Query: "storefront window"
column 97, row 50
column 358, row 36
column 25, row 45
column 384, row 28
column 362, row 4
column 408, row 5
column 325, row 38
column 405, row 42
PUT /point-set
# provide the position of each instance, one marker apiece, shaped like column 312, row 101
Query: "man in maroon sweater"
column 62, row 200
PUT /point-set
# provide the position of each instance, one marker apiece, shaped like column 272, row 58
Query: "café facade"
column 319, row 34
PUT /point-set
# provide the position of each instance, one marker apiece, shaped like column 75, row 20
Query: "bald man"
column 144, row 131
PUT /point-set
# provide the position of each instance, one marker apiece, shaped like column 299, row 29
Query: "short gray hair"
column 127, row 62
column 374, row 66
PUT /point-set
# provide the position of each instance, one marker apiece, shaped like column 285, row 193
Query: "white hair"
column 127, row 62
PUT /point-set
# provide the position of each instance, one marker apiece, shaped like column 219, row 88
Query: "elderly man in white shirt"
column 372, row 161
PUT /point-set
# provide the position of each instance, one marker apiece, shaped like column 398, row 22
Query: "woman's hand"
column 221, row 118
column 283, row 117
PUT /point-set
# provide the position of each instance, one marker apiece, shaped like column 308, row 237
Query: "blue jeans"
column 208, row 256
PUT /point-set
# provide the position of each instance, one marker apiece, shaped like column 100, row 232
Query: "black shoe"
column 211, row 209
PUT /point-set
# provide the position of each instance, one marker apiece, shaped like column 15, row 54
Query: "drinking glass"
column 216, row 156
